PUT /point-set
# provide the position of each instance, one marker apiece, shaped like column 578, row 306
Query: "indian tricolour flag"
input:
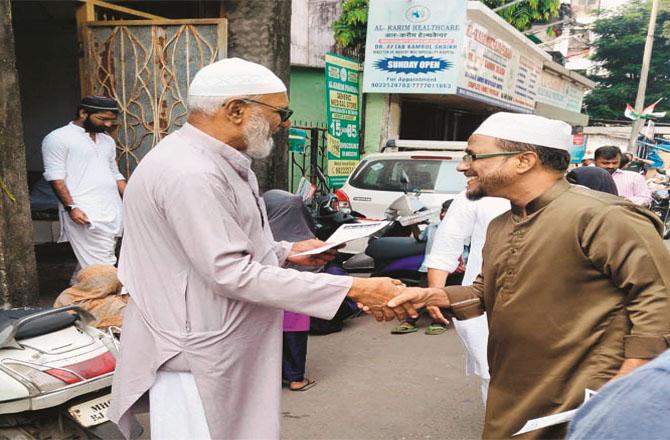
column 647, row 112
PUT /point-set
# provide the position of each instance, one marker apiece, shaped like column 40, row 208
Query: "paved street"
column 375, row 385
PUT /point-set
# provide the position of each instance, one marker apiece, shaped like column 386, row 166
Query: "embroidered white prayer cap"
column 529, row 129
column 235, row 77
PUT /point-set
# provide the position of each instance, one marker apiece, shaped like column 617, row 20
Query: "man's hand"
column 437, row 278
column 436, row 314
column 310, row 260
column 121, row 186
column 629, row 365
column 431, row 297
column 372, row 294
column 79, row 217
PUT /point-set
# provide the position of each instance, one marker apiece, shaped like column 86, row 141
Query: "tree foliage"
column 618, row 52
column 523, row 15
column 351, row 27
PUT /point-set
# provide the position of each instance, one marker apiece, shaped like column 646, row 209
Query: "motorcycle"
column 391, row 252
column 327, row 213
column 55, row 372
column 394, row 251
column 660, row 204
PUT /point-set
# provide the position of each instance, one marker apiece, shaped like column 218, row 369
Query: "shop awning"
column 553, row 112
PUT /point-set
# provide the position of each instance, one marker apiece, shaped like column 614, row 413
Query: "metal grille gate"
column 146, row 65
column 314, row 158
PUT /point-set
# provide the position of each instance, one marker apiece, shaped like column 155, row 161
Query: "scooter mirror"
column 322, row 179
column 404, row 180
column 7, row 337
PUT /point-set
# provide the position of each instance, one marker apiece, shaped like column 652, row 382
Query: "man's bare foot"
column 302, row 385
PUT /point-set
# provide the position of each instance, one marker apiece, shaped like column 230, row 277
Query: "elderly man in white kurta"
column 80, row 164
column 203, row 328
column 466, row 222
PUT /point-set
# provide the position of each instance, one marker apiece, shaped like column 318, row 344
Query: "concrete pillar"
column 382, row 120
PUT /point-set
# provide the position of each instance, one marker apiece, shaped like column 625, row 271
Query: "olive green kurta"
column 571, row 289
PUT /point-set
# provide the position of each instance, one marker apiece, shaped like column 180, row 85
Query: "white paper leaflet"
column 348, row 232
column 554, row 419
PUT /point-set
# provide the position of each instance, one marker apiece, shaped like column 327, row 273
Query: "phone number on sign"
column 397, row 85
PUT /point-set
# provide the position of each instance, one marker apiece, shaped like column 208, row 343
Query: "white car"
column 430, row 166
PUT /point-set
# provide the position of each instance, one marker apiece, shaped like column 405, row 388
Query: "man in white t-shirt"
column 80, row 165
column 466, row 223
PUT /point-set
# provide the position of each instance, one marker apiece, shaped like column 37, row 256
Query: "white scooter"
column 55, row 373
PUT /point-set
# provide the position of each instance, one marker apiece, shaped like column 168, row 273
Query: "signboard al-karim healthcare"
column 413, row 46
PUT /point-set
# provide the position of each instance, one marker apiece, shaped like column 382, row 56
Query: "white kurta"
column 90, row 173
column 207, row 293
column 467, row 222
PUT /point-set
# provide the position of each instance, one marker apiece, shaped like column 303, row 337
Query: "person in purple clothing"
column 290, row 221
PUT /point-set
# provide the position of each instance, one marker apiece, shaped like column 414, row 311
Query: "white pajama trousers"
column 474, row 335
column 175, row 408
column 90, row 245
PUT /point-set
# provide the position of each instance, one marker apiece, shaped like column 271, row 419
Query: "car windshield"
column 438, row 176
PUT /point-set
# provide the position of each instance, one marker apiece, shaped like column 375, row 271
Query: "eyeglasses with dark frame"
column 469, row 158
column 285, row 113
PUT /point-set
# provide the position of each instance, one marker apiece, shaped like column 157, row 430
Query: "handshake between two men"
column 384, row 298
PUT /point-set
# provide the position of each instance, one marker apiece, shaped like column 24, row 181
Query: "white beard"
column 257, row 136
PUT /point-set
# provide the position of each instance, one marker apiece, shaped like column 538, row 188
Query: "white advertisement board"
column 498, row 73
column 413, row 46
column 560, row 92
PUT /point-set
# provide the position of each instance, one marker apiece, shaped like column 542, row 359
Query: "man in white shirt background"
column 80, row 165
column 466, row 223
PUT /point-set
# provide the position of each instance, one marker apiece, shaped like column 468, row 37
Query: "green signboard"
column 297, row 139
column 343, row 117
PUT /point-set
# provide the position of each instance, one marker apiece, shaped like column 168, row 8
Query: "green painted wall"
column 374, row 119
column 307, row 94
column 308, row 100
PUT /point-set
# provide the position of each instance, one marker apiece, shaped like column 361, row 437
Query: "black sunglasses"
column 285, row 113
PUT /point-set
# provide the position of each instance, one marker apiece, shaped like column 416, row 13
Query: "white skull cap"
column 235, row 77
column 529, row 129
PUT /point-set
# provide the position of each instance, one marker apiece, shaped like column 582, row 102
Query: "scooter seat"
column 38, row 327
column 391, row 248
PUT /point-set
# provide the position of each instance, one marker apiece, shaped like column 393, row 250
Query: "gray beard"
column 257, row 137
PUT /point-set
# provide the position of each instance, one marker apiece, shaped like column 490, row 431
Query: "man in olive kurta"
column 574, row 281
